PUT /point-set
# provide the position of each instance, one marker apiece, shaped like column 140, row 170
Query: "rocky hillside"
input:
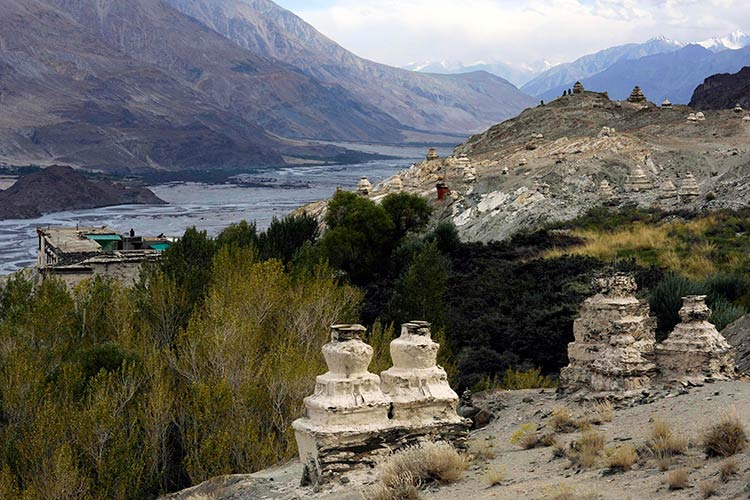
column 457, row 104
column 723, row 91
column 548, row 164
column 55, row 189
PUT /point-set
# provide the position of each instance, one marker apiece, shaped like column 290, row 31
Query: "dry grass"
column 602, row 412
column 725, row 438
column 526, row 437
column 664, row 444
column 622, row 458
column 678, row 479
column 405, row 472
column 659, row 242
column 709, row 488
column 483, row 450
column 494, row 475
column 562, row 420
column 728, row 468
column 548, row 439
column 569, row 492
column 588, row 449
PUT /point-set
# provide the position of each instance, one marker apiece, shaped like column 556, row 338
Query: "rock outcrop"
column 695, row 350
column 723, row 91
column 738, row 336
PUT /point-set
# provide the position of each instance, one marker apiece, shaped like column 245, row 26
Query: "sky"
column 399, row 32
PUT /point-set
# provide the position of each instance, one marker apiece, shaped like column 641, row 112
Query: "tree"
column 240, row 235
column 409, row 212
column 188, row 263
column 284, row 238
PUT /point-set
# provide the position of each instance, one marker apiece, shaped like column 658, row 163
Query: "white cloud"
column 400, row 31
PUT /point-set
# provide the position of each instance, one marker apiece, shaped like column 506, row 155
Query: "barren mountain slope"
column 547, row 164
column 447, row 103
column 723, row 91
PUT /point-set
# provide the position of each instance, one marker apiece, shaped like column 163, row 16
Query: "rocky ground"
column 547, row 164
column 536, row 473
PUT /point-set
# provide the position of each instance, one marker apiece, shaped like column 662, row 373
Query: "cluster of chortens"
column 355, row 418
column 615, row 354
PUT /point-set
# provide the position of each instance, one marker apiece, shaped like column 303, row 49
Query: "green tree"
column 242, row 234
column 409, row 212
column 284, row 238
column 188, row 263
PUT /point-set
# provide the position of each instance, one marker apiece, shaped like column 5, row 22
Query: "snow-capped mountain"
column 732, row 41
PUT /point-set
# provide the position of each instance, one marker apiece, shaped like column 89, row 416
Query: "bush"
column 588, row 448
column 526, row 437
column 663, row 443
column 416, row 466
column 495, row 475
column 678, row 479
column 708, row 488
column 725, row 438
column 728, row 468
column 562, row 420
column 622, row 458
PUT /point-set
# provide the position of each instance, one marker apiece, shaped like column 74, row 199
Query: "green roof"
column 104, row 237
column 160, row 246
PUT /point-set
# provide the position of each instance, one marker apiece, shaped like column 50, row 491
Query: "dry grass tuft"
column 664, row 444
column 526, row 437
column 709, row 488
column 602, row 412
column 569, row 492
column 548, row 439
column 483, row 450
column 725, row 438
column 495, row 475
column 562, row 420
column 406, row 471
column 622, row 458
column 587, row 450
column 678, row 479
column 728, row 468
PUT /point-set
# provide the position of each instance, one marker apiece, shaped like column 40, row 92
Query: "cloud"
column 401, row 31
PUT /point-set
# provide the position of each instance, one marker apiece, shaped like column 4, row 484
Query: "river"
column 209, row 207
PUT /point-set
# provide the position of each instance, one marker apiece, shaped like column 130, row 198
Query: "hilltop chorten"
column 738, row 109
column 666, row 104
column 636, row 96
column 432, row 154
column 578, row 88
column 364, row 187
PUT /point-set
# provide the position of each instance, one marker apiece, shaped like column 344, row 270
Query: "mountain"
column 547, row 84
column 673, row 75
column 56, row 188
column 515, row 74
column 134, row 84
column 732, row 41
column 425, row 102
column 723, row 91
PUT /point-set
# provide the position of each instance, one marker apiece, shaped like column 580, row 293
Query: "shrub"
column 562, row 420
column 678, row 479
column 728, row 468
column 515, row 380
column 602, row 412
column 663, row 443
column 526, row 437
column 483, row 450
column 725, row 438
column 622, row 458
column 589, row 447
column 425, row 463
column 399, row 487
column 495, row 475
column 709, row 488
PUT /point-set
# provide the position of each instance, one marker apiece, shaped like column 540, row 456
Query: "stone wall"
column 355, row 418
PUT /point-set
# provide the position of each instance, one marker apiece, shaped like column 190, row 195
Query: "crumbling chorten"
column 364, row 187
column 622, row 368
column 578, row 88
column 602, row 329
column 417, row 388
column 354, row 418
column 432, row 154
column 695, row 350
column 668, row 191
column 688, row 189
column 605, row 190
column 396, row 184
column 666, row 104
column 637, row 96
column 637, row 181
column 738, row 109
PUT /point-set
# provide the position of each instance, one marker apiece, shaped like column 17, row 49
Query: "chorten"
column 364, row 187
column 688, row 188
column 622, row 368
column 738, row 109
column 666, row 104
column 700, row 116
column 597, row 325
column 605, row 190
column 417, row 387
column 668, row 190
column 432, row 154
column 637, row 180
column 346, row 407
column 397, row 184
column 578, row 88
column 695, row 350
column 636, row 95
column 691, row 118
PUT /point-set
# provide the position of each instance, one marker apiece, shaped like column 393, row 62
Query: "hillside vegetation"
column 199, row 370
